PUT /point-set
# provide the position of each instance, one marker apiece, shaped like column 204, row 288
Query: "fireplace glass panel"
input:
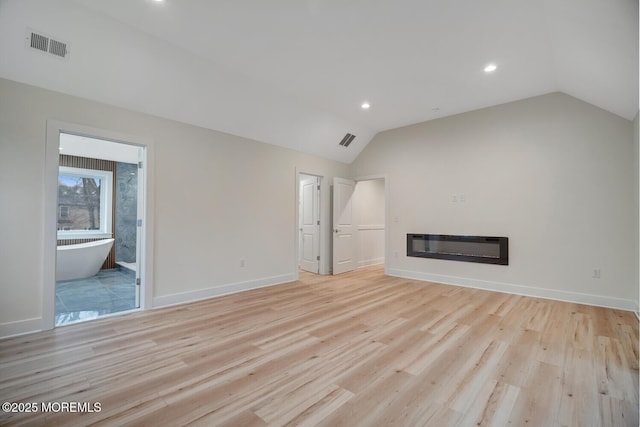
column 492, row 250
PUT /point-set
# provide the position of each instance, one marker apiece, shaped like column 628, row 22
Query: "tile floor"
column 110, row 291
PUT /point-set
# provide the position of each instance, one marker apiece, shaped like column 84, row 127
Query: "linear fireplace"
column 488, row 250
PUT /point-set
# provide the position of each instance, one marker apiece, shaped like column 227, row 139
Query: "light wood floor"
column 357, row 349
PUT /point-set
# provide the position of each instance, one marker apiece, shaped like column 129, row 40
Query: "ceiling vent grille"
column 39, row 42
column 348, row 138
column 58, row 48
column 43, row 43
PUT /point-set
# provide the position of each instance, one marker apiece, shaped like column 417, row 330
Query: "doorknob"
column 336, row 230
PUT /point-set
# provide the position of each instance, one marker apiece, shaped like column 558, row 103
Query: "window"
column 84, row 201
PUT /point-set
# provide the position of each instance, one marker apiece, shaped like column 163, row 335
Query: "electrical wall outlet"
column 596, row 273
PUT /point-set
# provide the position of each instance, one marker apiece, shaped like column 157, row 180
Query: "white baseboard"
column 20, row 327
column 575, row 297
column 369, row 262
column 231, row 288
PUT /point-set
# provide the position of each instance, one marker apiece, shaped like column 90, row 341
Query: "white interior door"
column 310, row 224
column 344, row 229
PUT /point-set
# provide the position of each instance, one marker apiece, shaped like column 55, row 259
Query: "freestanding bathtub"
column 81, row 260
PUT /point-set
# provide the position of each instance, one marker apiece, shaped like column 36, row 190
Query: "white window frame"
column 106, row 203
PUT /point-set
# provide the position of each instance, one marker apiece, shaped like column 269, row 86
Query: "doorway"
column 97, row 252
column 359, row 226
column 96, row 198
column 364, row 207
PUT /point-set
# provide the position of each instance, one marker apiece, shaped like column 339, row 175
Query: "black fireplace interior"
column 487, row 250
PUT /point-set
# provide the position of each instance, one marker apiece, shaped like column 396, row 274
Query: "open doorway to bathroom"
column 99, row 203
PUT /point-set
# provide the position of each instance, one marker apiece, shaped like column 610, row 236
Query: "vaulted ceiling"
column 294, row 73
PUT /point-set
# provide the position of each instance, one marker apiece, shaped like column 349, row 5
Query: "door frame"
column 387, row 222
column 52, row 154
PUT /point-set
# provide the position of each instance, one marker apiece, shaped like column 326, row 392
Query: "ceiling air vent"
column 43, row 43
column 58, row 48
column 348, row 138
column 39, row 42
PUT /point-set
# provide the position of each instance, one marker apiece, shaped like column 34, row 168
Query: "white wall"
column 369, row 206
column 218, row 199
column 530, row 170
column 552, row 173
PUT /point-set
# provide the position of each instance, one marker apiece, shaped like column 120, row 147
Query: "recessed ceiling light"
column 365, row 105
column 490, row 68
